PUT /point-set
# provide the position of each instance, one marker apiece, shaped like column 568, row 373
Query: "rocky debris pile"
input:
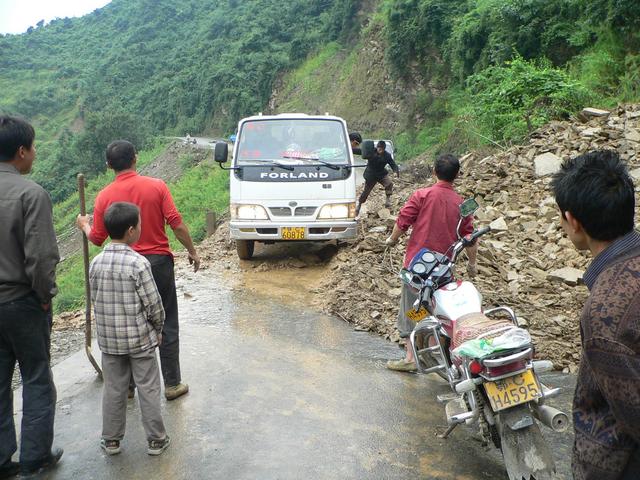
column 525, row 262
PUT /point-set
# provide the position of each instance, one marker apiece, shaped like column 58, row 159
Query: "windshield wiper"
column 274, row 163
column 333, row 166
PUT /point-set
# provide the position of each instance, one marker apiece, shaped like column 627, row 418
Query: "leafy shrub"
column 510, row 101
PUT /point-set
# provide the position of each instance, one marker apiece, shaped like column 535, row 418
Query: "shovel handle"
column 83, row 203
column 87, row 286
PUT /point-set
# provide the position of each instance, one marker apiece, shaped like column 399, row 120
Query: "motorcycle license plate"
column 512, row 391
column 293, row 233
column 417, row 315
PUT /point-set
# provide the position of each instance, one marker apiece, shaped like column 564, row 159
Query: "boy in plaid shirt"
column 129, row 319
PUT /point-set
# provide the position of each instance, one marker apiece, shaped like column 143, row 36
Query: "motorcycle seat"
column 477, row 325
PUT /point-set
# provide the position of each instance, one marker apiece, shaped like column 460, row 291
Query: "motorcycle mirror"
column 406, row 275
column 410, row 278
column 221, row 152
column 468, row 207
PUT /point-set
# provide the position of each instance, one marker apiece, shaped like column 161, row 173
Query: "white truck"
column 292, row 178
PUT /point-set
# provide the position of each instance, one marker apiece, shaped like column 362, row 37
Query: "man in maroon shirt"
column 433, row 213
column 153, row 198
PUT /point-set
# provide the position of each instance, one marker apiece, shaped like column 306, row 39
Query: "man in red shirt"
column 153, row 198
column 433, row 213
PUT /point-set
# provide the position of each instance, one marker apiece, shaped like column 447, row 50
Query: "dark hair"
column 446, row 167
column 14, row 133
column 382, row 144
column 119, row 217
column 598, row 191
column 355, row 136
column 120, row 154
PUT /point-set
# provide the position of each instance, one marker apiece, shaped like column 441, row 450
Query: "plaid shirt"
column 126, row 302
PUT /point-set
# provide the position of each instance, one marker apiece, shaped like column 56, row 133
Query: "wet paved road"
column 277, row 392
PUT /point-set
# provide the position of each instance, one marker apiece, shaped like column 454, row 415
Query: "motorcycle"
column 487, row 359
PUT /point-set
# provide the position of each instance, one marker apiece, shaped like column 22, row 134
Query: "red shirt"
column 434, row 213
column 153, row 198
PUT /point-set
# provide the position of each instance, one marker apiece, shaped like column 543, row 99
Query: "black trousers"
column 163, row 274
column 25, row 336
column 385, row 181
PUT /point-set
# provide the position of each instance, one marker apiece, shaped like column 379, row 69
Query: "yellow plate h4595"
column 293, row 233
column 512, row 391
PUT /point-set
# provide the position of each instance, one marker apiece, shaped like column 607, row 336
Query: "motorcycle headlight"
column 334, row 211
column 248, row 212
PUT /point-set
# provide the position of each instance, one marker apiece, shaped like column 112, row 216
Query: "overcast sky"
column 18, row 15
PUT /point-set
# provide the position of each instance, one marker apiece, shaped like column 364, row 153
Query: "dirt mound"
column 525, row 263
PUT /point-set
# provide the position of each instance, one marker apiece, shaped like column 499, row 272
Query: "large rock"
column 632, row 135
column 595, row 112
column 635, row 174
column 547, row 164
column 499, row 225
column 568, row 275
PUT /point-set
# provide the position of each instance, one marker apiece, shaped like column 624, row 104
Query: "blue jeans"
column 25, row 336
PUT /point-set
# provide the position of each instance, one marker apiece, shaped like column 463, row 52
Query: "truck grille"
column 280, row 211
column 305, row 211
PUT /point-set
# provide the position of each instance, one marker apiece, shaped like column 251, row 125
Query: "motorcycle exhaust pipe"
column 551, row 417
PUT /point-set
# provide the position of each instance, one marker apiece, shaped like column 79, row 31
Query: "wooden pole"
column 87, row 286
column 211, row 223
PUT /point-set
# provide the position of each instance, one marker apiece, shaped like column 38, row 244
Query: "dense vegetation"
column 511, row 65
column 135, row 67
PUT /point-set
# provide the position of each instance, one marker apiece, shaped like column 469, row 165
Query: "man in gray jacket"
column 28, row 258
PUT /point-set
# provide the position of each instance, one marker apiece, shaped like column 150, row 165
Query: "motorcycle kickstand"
column 447, row 431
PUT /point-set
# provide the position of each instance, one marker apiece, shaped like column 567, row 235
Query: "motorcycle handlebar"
column 477, row 234
column 468, row 240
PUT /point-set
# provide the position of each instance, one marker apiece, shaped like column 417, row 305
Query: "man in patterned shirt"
column 595, row 195
column 129, row 319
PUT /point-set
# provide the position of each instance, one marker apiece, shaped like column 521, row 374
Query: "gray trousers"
column 407, row 299
column 117, row 370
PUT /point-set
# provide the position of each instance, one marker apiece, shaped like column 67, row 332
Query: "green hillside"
column 461, row 74
column 138, row 68
column 431, row 74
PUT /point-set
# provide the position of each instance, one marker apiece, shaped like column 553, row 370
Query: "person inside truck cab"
column 376, row 172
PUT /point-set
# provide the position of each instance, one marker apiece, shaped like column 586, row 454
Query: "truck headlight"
column 337, row 210
column 248, row 212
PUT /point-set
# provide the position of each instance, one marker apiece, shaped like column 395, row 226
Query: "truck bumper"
column 269, row 231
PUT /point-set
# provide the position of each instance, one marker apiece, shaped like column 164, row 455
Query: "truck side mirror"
column 221, row 152
column 368, row 149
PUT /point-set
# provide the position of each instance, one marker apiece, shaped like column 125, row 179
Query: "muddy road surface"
column 278, row 391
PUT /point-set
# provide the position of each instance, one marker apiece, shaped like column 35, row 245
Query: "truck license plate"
column 512, row 391
column 293, row 233
column 417, row 315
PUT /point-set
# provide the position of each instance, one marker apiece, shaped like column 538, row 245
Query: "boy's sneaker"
column 171, row 393
column 111, row 447
column 156, row 447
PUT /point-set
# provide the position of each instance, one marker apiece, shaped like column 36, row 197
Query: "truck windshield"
column 292, row 141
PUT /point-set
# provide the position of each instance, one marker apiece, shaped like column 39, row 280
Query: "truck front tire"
column 245, row 249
